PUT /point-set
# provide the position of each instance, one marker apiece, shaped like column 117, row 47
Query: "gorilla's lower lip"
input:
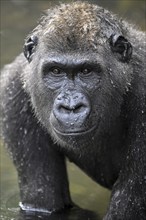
column 75, row 132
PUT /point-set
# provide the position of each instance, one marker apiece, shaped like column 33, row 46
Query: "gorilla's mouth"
column 74, row 132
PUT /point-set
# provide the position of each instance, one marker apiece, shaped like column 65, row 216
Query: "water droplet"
column 112, row 83
column 25, row 131
column 142, row 124
column 129, row 84
column 40, row 190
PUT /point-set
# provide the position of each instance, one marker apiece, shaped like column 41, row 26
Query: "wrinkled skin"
column 79, row 92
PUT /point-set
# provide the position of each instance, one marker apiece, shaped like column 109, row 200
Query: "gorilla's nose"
column 75, row 108
column 72, row 107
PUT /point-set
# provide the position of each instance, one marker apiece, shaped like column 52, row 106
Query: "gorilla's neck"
column 102, row 165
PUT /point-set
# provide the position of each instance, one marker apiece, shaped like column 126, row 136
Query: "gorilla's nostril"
column 64, row 109
column 79, row 108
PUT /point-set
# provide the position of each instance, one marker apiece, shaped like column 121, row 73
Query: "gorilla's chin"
column 74, row 138
column 74, row 132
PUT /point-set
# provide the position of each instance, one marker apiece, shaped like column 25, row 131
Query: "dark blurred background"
column 17, row 19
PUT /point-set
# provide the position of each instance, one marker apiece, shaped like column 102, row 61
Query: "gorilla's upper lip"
column 74, row 132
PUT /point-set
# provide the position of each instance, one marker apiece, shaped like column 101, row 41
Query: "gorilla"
column 78, row 92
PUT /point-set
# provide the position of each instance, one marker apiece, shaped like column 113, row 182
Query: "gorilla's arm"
column 41, row 168
column 129, row 193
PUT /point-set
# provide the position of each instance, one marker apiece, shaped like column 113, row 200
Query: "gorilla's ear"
column 29, row 47
column 120, row 45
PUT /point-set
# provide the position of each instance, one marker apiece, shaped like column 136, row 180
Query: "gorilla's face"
column 66, row 97
column 77, row 93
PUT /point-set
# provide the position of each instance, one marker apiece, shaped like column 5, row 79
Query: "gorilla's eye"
column 56, row 70
column 86, row 71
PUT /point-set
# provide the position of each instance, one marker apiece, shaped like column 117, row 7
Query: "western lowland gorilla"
column 78, row 92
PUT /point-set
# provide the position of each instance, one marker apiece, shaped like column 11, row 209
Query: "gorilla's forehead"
column 77, row 18
column 77, row 26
